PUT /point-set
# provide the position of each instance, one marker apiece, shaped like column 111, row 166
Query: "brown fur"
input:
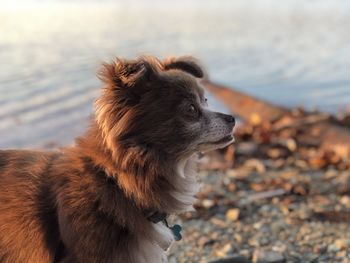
column 87, row 203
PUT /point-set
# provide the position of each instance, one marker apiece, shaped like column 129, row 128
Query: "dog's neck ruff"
column 186, row 185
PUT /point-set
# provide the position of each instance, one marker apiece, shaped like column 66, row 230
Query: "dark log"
column 245, row 106
column 332, row 136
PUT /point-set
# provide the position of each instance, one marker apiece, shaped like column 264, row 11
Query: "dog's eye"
column 192, row 109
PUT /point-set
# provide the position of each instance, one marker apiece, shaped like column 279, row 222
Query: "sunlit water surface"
column 289, row 52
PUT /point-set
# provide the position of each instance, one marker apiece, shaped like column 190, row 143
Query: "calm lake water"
column 289, row 52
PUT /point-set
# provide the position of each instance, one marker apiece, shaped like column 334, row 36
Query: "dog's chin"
column 222, row 143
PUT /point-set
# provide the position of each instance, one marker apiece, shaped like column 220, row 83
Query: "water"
column 289, row 52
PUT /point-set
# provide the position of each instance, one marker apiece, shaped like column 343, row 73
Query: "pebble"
column 224, row 250
column 255, row 164
column 268, row 257
column 333, row 248
column 233, row 214
column 291, row 144
column 342, row 243
column 238, row 238
column 208, row 203
column 218, row 222
column 345, row 200
column 247, row 148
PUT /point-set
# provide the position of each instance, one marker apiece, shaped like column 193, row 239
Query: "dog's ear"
column 187, row 64
column 123, row 73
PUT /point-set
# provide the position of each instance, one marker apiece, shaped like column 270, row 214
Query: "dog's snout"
column 229, row 118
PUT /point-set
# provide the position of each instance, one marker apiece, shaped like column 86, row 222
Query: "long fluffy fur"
column 87, row 203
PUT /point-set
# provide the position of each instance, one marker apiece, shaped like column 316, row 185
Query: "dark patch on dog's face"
column 165, row 117
column 163, row 108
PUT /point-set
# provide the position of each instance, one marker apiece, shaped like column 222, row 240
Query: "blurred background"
column 290, row 52
column 282, row 192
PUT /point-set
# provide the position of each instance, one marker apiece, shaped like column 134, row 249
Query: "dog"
column 106, row 199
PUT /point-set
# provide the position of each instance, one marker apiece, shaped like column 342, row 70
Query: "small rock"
column 245, row 253
column 342, row 243
column 218, row 222
column 231, row 187
column 341, row 254
column 207, row 203
column 331, row 173
column 257, row 225
column 275, row 153
column 224, row 250
column 246, row 148
column 232, row 214
column 333, row 248
column 268, row 257
column 253, row 242
column 232, row 173
column 345, row 200
column 255, row 119
column 238, row 238
column 255, row 164
column 202, row 241
column 291, row 144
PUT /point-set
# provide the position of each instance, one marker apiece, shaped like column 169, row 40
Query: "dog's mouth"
column 228, row 139
column 224, row 140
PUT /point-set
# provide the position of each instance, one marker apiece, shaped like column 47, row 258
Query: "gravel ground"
column 260, row 213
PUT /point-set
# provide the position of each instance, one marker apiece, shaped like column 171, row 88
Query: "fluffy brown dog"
column 106, row 198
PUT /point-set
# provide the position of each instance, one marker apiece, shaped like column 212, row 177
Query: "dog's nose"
column 230, row 119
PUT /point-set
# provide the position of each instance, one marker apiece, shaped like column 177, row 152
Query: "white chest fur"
column 185, row 188
column 185, row 184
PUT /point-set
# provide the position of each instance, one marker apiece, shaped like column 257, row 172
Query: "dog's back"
column 28, row 222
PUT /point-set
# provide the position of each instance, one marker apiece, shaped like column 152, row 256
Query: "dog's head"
column 153, row 116
column 156, row 105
